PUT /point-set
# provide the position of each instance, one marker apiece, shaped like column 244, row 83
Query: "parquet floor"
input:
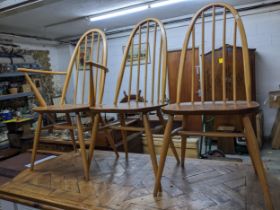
column 128, row 185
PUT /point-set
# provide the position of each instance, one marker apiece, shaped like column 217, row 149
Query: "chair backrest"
column 144, row 63
column 204, row 24
column 86, row 69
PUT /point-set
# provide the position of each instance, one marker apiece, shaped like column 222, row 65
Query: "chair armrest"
column 40, row 71
column 91, row 63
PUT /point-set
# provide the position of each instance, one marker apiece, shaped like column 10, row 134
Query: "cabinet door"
column 173, row 60
column 240, row 90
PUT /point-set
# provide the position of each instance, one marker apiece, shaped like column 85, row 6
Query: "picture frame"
column 135, row 54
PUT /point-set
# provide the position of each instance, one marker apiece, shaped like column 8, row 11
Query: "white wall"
column 263, row 30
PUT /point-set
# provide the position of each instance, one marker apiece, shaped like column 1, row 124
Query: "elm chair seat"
column 127, row 108
column 64, row 108
column 211, row 108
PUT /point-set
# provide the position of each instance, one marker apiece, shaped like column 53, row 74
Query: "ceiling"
column 63, row 19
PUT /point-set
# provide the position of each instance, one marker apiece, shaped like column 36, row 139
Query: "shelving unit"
column 12, row 76
column 14, row 96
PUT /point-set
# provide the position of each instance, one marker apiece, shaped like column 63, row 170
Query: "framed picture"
column 144, row 52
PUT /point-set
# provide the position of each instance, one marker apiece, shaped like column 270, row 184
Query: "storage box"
column 192, row 148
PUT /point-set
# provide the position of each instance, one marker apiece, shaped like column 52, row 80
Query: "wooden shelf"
column 17, row 95
column 12, row 74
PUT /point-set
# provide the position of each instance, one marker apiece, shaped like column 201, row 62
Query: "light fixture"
column 164, row 3
column 119, row 13
column 132, row 10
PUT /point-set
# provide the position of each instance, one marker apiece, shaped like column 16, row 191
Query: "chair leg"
column 162, row 121
column 151, row 146
column 124, row 136
column 110, row 138
column 71, row 132
column 163, row 154
column 252, row 159
column 82, row 146
column 111, row 141
column 93, row 137
column 172, row 146
column 183, row 150
column 256, row 158
column 184, row 140
column 36, row 140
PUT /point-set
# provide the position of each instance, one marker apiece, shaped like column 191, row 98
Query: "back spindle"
column 146, row 60
column 159, row 70
column 234, row 61
column 138, row 63
column 97, row 61
column 224, row 56
column 193, row 64
column 213, row 54
column 84, row 70
column 153, row 62
column 202, row 57
column 131, row 68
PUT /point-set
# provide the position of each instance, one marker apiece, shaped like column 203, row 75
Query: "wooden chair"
column 214, row 106
column 87, row 68
column 141, row 71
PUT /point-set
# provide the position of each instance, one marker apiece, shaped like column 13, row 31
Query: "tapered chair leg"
column 252, row 159
column 110, row 138
column 184, row 140
column 124, row 135
column 163, row 154
column 93, row 138
column 183, row 150
column 111, row 141
column 172, row 146
column 256, row 159
column 151, row 146
column 36, row 140
column 82, row 146
column 71, row 132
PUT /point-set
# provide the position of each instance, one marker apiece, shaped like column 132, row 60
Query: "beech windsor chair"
column 212, row 106
column 144, row 35
column 90, row 54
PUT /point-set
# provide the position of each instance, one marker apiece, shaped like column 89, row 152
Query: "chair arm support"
column 40, row 71
column 91, row 63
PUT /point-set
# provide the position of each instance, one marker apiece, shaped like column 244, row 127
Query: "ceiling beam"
column 23, row 6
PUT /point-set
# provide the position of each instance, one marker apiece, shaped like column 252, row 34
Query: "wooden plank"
column 42, row 151
column 210, row 134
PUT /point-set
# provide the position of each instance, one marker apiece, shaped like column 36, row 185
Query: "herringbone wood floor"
column 121, row 184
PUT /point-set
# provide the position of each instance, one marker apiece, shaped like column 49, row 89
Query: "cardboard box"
column 192, row 148
column 26, row 88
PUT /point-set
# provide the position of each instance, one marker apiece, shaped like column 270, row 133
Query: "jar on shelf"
column 13, row 88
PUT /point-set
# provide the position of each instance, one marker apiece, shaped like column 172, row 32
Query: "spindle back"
column 144, row 57
column 87, row 69
column 211, row 14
